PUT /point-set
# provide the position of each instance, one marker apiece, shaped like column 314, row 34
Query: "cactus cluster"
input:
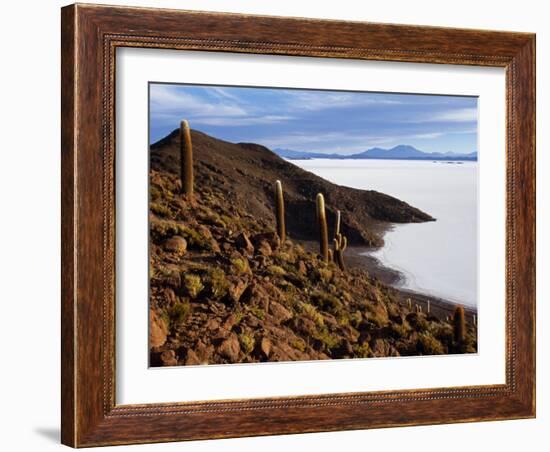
column 340, row 245
column 186, row 159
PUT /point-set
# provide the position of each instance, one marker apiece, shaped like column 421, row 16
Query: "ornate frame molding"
column 90, row 36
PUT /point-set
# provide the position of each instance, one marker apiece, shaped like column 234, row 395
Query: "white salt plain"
column 438, row 258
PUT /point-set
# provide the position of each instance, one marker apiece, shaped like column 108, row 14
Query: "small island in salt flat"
column 254, row 259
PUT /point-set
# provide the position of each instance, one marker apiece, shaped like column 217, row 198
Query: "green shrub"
column 258, row 312
column 195, row 238
column 276, row 270
column 298, row 344
column 327, row 302
column 160, row 229
column 159, row 209
column 155, row 193
column 247, row 342
column 178, row 313
column 361, row 351
column 192, row 284
column 327, row 339
column 428, row 345
column 217, row 283
column 311, row 312
column 240, row 265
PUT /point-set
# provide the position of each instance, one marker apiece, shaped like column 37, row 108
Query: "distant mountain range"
column 400, row 152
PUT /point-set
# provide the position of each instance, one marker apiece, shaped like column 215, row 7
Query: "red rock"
column 230, row 348
column 265, row 347
column 220, row 335
column 305, row 326
column 204, row 352
column 212, row 324
column 176, row 245
column 243, row 242
column 168, row 358
column 279, row 312
column 169, row 295
column 264, row 248
column 236, row 290
column 381, row 348
column 270, row 237
column 229, row 321
column 158, row 331
column 192, row 359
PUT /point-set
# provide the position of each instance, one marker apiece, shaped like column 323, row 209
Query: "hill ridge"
column 246, row 172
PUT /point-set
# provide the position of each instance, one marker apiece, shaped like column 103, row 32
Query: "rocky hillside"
column 225, row 290
column 247, row 172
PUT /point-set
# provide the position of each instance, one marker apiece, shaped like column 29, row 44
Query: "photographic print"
column 293, row 224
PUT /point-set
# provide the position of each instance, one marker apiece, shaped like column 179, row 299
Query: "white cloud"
column 169, row 101
column 455, row 115
column 316, row 101
column 170, row 104
column 242, row 121
column 426, row 136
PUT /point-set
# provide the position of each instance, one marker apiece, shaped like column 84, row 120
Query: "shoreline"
column 439, row 307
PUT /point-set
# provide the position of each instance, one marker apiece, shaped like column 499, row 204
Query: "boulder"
column 381, row 348
column 204, row 352
column 236, row 289
column 176, row 245
column 229, row 321
column 270, row 237
column 244, row 244
column 169, row 295
column 168, row 358
column 279, row 312
column 192, row 359
column 265, row 347
column 302, row 269
column 305, row 326
column 158, row 330
column 230, row 348
column 264, row 248
column 212, row 324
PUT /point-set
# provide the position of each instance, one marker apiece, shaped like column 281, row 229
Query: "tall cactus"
column 338, row 219
column 323, row 229
column 459, row 324
column 340, row 245
column 186, row 159
column 280, row 211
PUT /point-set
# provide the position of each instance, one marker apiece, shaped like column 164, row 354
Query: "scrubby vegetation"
column 225, row 289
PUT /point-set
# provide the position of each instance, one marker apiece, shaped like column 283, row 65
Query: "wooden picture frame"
column 90, row 36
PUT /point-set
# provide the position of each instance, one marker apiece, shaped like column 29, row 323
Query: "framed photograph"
column 281, row 225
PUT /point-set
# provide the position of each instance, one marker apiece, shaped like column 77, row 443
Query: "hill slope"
column 224, row 289
column 247, row 173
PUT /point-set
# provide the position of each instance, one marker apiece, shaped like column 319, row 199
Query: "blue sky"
column 318, row 121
